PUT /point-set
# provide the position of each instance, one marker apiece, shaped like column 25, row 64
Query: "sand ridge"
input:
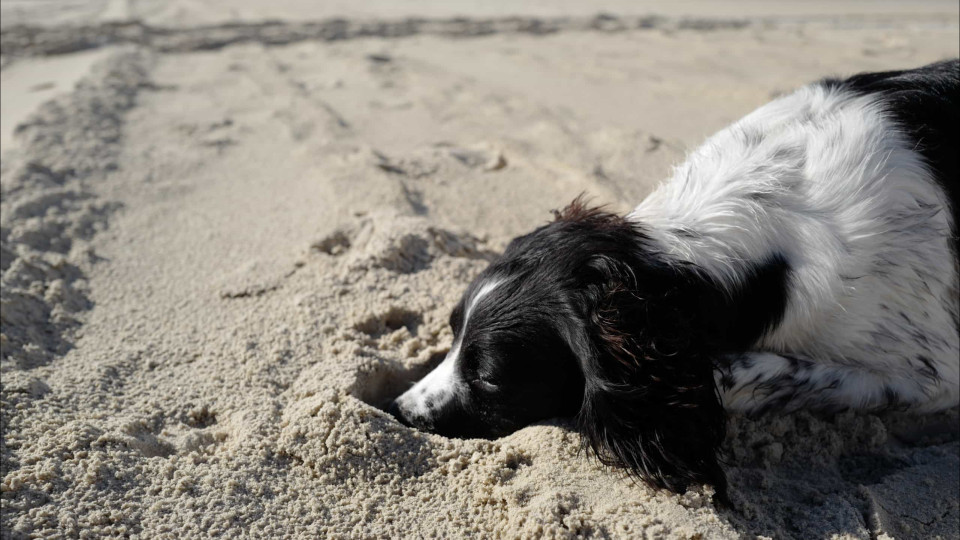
column 218, row 265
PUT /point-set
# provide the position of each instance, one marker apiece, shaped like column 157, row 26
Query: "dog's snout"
column 394, row 410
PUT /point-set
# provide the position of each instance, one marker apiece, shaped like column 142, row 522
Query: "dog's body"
column 827, row 183
column 803, row 257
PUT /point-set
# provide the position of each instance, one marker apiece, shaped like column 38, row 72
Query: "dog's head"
column 583, row 317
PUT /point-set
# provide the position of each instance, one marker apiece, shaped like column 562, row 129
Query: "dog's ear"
column 650, row 403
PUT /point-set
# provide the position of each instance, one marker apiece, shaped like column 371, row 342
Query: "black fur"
column 590, row 320
column 652, row 331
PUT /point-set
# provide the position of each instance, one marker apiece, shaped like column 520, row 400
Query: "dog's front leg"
column 757, row 382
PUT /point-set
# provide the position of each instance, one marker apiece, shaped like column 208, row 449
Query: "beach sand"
column 227, row 246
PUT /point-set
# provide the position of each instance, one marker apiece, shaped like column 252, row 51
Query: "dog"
column 803, row 257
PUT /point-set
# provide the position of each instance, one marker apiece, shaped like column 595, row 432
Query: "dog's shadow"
column 810, row 475
column 807, row 475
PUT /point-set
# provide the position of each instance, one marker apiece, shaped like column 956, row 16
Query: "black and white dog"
column 804, row 257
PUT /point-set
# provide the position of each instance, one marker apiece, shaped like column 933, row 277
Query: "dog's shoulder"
column 925, row 104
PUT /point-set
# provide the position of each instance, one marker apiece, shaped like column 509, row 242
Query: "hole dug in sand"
column 383, row 383
column 334, row 244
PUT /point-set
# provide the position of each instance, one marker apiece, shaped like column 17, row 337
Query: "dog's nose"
column 394, row 410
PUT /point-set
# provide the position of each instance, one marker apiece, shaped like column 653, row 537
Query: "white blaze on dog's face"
column 442, row 385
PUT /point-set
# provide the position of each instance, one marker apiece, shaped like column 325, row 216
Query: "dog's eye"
column 478, row 370
column 481, row 378
column 485, row 385
column 488, row 373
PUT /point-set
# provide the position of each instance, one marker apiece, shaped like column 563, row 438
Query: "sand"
column 225, row 249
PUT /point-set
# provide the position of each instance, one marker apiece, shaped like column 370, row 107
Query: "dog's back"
column 925, row 104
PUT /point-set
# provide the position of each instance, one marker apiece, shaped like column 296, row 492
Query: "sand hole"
column 390, row 321
column 380, row 386
column 406, row 254
column 201, row 418
column 515, row 460
column 334, row 244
